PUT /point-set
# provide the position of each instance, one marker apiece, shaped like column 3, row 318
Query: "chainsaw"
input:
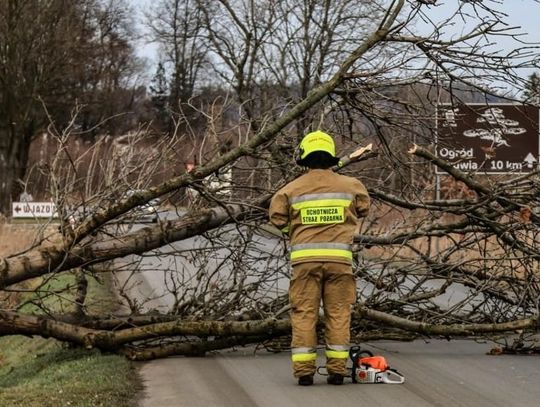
column 368, row 368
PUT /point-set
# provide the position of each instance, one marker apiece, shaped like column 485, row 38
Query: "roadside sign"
column 34, row 210
column 492, row 139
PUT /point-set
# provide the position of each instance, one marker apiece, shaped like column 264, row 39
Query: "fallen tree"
column 463, row 263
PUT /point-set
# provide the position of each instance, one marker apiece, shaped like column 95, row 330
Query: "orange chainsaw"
column 368, row 368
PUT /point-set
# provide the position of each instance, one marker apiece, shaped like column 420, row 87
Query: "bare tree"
column 462, row 263
column 54, row 55
column 177, row 26
column 306, row 42
column 532, row 89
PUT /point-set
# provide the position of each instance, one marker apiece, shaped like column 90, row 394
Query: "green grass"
column 46, row 372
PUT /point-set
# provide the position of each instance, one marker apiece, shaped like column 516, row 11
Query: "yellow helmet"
column 316, row 141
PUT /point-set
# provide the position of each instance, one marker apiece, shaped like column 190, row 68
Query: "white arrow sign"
column 34, row 210
column 530, row 160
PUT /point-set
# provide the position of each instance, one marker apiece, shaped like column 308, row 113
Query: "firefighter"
column 320, row 212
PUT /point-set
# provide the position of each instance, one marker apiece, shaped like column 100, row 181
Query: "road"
column 438, row 373
column 161, row 270
column 150, row 279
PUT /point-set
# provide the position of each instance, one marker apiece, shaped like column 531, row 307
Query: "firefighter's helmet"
column 316, row 141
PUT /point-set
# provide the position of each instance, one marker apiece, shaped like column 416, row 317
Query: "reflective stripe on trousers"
column 303, row 354
column 337, row 352
column 318, row 250
column 334, row 283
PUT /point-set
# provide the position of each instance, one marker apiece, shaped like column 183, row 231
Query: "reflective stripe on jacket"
column 321, row 210
column 334, row 250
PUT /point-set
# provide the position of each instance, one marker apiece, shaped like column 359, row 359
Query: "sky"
column 144, row 49
column 521, row 14
column 524, row 14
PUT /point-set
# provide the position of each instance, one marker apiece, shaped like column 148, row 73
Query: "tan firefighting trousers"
column 334, row 283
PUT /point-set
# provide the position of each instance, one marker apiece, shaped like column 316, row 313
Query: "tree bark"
column 229, row 333
column 424, row 328
column 7, row 176
column 54, row 259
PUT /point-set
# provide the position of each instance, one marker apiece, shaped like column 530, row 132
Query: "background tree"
column 177, row 27
column 56, row 54
column 532, row 89
column 159, row 96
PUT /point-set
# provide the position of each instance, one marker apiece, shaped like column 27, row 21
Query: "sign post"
column 490, row 139
column 34, row 210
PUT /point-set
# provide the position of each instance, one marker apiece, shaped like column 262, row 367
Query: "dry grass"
column 44, row 372
column 16, row 237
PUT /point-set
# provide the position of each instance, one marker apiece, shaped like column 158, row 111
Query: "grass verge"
column 45, row 372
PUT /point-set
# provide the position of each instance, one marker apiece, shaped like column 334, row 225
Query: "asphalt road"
column 438, row 373
column 157, row 271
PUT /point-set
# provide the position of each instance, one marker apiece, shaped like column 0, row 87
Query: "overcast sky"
column 520, row 13
column 524, row 14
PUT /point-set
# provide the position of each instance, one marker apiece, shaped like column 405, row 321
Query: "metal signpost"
column 490, row 139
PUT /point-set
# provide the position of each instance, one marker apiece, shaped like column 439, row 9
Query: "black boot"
column 334, row 378
column 305, row 380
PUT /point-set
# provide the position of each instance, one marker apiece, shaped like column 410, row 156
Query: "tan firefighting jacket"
column 320, row 211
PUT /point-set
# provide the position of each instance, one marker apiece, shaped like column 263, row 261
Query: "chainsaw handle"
column 355, row 352
column 392, row 376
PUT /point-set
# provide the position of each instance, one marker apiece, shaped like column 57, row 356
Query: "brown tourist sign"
column 492, row 139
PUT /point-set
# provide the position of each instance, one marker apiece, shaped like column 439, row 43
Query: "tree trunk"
column 14, row 151
column 7, row 175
